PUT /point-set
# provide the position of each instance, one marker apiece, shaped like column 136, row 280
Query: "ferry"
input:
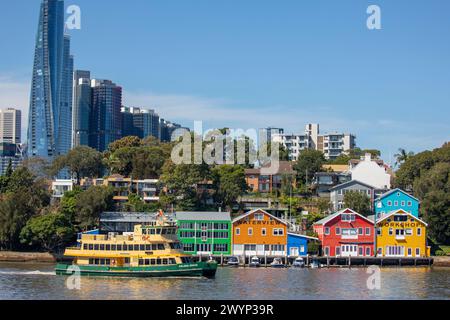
column 152, row 250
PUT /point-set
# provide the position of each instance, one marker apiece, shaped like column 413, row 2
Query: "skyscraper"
column 140, row 122
column 106, row 121
column 10, row 126
column 50, row 116
column 82, row 108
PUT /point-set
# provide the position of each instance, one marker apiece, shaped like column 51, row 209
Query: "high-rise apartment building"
column 106, row 120
column 10, row 126
column 82, row 108
column 140, row 123
column 50, row 114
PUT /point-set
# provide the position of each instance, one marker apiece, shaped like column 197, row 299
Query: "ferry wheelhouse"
column 150, row 251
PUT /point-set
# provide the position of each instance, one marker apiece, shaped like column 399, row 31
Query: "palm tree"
column 402, row 156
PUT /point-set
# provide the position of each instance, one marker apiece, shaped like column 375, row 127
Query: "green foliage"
column 90, row 204
column 136, row 204
column 229, row 182
column 126, row 142
column 313, row 247
column 309, row 162
column 440, row 253
column 358, row 202
column 355, row 153
column 428, row 175
column 82, row 162
column 68, row 204
column 50, row 231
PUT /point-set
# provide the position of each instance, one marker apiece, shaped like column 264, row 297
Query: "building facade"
column 394, row 200
column 205, row 233
column 82, row 108
column 297, row 244
column 140, row 123
column 372, row 172
column 50, row 114
column 262, row 181
column 337, row 193
column 106, row 121
column 347, row 234
column 259, row 233
column 10, row 153
column 10, row 126
column 400, row 234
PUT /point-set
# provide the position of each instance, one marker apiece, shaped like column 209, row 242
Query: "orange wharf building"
column 258, row 233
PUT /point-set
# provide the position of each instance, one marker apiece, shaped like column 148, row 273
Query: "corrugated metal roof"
column 127, row 217
column 207, row 216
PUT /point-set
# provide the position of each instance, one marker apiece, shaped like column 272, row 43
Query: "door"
column 294, row 252
column 349, row 250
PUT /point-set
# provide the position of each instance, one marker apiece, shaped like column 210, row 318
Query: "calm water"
column 38, row 281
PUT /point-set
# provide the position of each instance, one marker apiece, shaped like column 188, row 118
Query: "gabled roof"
column 401, row 211
column 301, row 235
column 255, row 211
column 343, row 185
column 344, row 211
column 393, row 191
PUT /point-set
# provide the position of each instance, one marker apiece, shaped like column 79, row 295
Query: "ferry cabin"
column 347, row 234
column 258, row 233
column 395, row 200
column 205, row 233
column 150, row 245
column 401, row 234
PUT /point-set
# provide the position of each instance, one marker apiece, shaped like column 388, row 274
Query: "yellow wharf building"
column 400, row 234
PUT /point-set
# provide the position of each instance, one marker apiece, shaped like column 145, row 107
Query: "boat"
column 254, row 262
column 277, row 263
column 315, row 263
column 233, row 261
column 152, row 250
column 298, row 263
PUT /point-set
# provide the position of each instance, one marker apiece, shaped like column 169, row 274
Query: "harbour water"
column 20, row 281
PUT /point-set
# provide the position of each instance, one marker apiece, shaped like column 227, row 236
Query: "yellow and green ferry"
column 152, row 250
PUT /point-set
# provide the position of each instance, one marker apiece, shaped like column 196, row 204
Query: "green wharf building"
column 205, row 233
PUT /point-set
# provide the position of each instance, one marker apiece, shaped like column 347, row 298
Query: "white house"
column 59, row 187
column 372, row 173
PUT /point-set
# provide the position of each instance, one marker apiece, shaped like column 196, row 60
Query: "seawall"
column 9, row 256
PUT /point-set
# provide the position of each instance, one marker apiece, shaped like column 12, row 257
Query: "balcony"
column 400, row 237
column 349, row 237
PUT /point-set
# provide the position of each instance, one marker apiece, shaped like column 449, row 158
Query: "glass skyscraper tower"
column 50, row 116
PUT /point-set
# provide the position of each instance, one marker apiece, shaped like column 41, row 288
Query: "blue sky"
column 249, row 64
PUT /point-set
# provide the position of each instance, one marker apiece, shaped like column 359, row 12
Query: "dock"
column 330, row 262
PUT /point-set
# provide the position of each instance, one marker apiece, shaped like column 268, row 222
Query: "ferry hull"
column 200, row 269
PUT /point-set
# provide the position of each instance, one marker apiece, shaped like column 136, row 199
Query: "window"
column 349, row 232
column 380, row 251
column 419, row 231
column 221, row 247
column 417, row 252
column 408, row 232
column 327, row 251
column 391, row 231
column 378, row 231
column 264, row 231
column 389, row 203
column 361, row 251
column 409, row 252
column 360, row 231
column 278, row 232
column 367, row 231
column 338, row 251
column 327, row 230
column 188, row 247
column 403, row 203
column 250, row 247
column 108, row 247
column 250, row 231
column 259, row 216
column 338, row 231
column 278, row 247
column 368, row 251
column 238, row 231
column 409, row 203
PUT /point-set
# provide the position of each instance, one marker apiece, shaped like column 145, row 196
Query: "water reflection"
column 28, row 281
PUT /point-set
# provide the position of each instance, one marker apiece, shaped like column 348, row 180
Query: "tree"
column 126, row 142
column 402, row 156
column 50, row 231
column 309, row 163
column 229, row 182
column 90, row 204
column 4, row 180
column 82, row 161
column 358, row 202
column 68, row 204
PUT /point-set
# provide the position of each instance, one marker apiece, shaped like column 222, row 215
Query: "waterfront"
column 37, row 281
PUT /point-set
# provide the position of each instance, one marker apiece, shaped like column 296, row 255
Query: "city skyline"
column 386, row 86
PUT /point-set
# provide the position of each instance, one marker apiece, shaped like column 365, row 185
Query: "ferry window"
column 142, row 247
column 95, row 246
column 144, row 231
column 158, row 261
column 154, row 247
column 148, row 247
column 85, row 246
column 136, row 247
column 113, row 247
column 91, row 247
column 119, row 247
column 152, row 262
column 160, row 246
column 127, row 260
column 172, row 261
column 147, row 262
column 108, row 262
column 108, row 247
column 102, row 247
column 141, row 262
column 163, row 231
column 152, row 231
column 158, row 231
column 165, row 261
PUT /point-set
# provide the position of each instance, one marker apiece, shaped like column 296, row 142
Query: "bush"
column 440, row 253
